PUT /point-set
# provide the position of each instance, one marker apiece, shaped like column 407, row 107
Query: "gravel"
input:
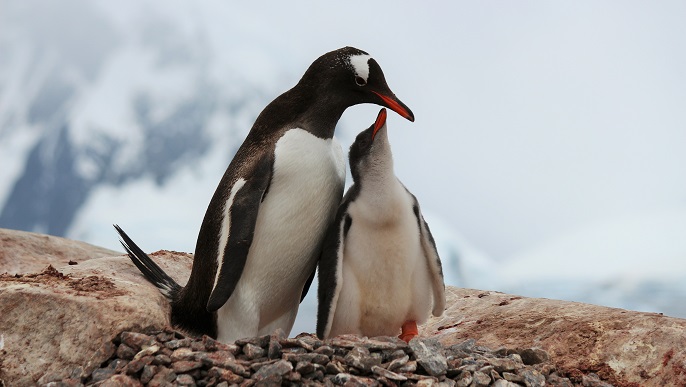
column 167, row 357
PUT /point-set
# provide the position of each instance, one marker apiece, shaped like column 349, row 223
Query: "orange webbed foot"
column 409, row 331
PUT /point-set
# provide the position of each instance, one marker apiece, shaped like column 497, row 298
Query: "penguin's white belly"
column 386, row 280
column 304, row 193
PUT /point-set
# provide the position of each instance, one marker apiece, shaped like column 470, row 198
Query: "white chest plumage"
column 304, row 193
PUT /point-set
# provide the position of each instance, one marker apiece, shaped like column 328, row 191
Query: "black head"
column 365, row 145
column 349, row 76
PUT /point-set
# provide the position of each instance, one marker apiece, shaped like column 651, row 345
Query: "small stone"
column 464, row 379
column 217, row 358
column 558, row 381
column 384, row 343
column 274, row 347
column 360, row 358
column 224, row 375
column 163, row 377
column 465, row 346
column 259, row 341
column 149, row 350
column 176, row 344
column 429, row 382
column 532, row 378
column 185, row 380
column 125, row 352
column 120, row 381
column 388, row 374
column 391, row 354
column 480, row 379
column 293, row 377
column 592, row 380
column 118, row 365
column 293, row 350
column 510, row 377
column 290, row 343
column 325, row 350
column 147, row 374
column 397, row 363
column 304, row 367
column 545, row 369
column 253, row 351
column 504, row 383
column 255, row 366
column 517, row 359
column 161, row 359
column 345, row 341
column 100, row 356
column 184, row 366
column 163, row 337
column 429, row 354
column 503, row 364
column 411, row 366
column 136, row 365
column 335, row 367
column 198, row 346
column 310, row 339
column 531, row 356
column 183, row 353
column 137, row 341
column 279, row 368
column 349, row 380
column 316, row 375
column 101, row 374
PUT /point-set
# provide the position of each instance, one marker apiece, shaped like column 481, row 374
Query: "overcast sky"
column 533, row 119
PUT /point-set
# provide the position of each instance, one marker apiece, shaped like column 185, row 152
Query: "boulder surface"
column 64, row 304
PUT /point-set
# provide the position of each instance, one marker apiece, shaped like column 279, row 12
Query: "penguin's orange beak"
column 380, row 122
column 396, row 105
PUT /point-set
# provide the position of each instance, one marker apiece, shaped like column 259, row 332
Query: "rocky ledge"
column 64, row 324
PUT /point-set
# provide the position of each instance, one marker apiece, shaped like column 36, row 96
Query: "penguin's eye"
column 360, row 81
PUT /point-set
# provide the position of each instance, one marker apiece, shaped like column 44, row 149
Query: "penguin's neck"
column 380, row 189
column 321, row 122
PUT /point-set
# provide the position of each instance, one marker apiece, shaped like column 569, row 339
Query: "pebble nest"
column 167, row 357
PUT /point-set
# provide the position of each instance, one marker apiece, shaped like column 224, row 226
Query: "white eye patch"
column 360, row 65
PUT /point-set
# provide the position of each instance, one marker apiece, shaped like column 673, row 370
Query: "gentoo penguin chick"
column 261, row 237
column 379, row 272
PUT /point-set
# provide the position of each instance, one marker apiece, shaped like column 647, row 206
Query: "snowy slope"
column 636, row 261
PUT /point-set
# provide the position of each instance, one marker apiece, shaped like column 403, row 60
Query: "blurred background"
column 548, row 151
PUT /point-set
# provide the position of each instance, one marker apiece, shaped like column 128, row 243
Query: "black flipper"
column 331, row 265
column 243, row 213
column 147, row 266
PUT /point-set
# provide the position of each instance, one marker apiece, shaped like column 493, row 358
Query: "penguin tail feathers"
column 152, row 272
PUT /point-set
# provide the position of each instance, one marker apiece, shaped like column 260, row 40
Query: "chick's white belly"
column 385, row 280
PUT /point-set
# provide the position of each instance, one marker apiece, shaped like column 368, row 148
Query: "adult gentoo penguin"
column 261, row 237
column 379, row 273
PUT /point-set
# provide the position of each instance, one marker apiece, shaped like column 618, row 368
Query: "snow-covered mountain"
column 129, row 113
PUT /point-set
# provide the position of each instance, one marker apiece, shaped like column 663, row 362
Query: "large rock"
column 61, row 321
column 27, row 252
column 625, row 347
column 66, row 316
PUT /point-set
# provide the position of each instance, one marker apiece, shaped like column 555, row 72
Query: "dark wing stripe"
column 330, row 264
column 433, row 259
column 243, row 212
